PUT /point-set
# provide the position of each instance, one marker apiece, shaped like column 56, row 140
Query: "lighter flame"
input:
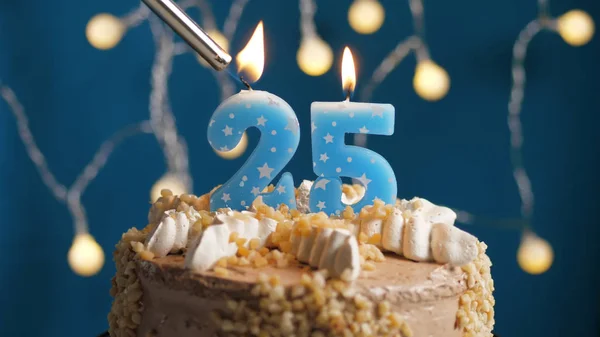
column 251, row 60
column 348, row 72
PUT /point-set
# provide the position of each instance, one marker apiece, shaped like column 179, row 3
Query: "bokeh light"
column 104, row 31
column 86, row 257
column 535, row 255
column 576, row 27
column 431, row 81
column 314, row 56
column 366, row 16
column 170, row 182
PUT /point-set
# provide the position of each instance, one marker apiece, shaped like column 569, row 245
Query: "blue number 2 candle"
column 280, row 135
column 333, row 159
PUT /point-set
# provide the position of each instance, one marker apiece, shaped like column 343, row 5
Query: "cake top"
column 341, row 245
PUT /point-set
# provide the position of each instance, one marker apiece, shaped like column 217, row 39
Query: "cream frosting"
column 213, row 244
column 171, row 234
column 334, row 250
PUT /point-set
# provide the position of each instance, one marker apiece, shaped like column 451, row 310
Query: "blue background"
column 454, row 152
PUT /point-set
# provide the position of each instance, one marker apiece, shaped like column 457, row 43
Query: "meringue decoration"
column 452, row 245
column 392, row 233
column 318, row 245
column 213, row 244
column 416, row 242
column 161, row 240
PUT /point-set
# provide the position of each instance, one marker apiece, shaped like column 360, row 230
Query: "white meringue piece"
column 347, row 258
column 432, row 213
column 306, row 244
column 452, row 245
column 372, row 226
column 182, row 226
column 318, row 245
column 351, row 201
column 295, row 239
column 335, row 241
column 393, row 232
column 266, row 227
column 212, row 245
column 160, row 241
column 416, row 242
column 303, row 198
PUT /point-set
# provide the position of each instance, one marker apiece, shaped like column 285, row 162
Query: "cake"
column 388, row 270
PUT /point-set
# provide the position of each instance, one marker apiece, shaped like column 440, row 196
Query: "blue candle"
column 333, row 159
column 280, row 135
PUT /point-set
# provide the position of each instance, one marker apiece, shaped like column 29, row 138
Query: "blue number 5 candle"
column 333, row 159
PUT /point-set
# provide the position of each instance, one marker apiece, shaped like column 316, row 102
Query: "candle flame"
column 348, row 72
column 251, row 59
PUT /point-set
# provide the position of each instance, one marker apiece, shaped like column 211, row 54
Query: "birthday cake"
column 388, row 270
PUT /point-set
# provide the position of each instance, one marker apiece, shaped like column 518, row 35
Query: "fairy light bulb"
column 220, row 39
column 576, row 27
column 237, row 151
column 169, row 182
column 86, row 257
column 314, row 56
column 104, row 31
column 535, row 255
column 431, row 81
column 366, row 16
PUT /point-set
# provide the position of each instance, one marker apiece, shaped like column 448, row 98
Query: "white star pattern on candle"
column 377, row 111
column 321, row 205
column 226, row 197
column 313, row 127
column 228, row 131
column 272, row 101
column 232, row 116
column 281, row 189
column 364, row 180
column 364, row 129
column 292, row 125
column 351, row 114
column 242, row 184
column 255, row 191
column 321, row 183
column 328, row 138
column 223, row 148
column 372, row 160
column 323, row 157
column 243, row 202
column 212, row 121
column 265, row 171
column 245, row 178
column 261, row 120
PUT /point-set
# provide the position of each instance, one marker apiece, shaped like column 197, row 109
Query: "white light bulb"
column 86, row 257
column 366, row 16
column 431, row 81
column 535, row 255
column 220, row 39
column 237, row 151
column 168, row 182
column 576, row 27
column 314, row 56
column 104, row 31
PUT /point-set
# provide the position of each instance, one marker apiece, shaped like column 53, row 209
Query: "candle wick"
column 348, row 94
column 245, row 83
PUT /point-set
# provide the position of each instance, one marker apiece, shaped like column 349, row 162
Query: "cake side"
column 392, row 296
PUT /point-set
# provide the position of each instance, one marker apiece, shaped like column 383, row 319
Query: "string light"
column 431, row 81
column 366, row 16
column 314, row 55
column 237, row 151
column 576, row 27
column 535, row 255
column 85, row 257
column 104, row 31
